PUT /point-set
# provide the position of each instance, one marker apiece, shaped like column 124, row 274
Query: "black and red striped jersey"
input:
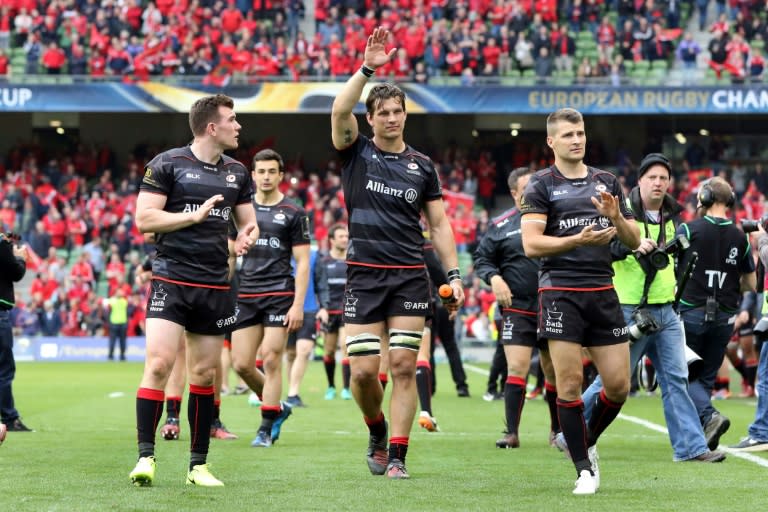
column 385, row 194
column 198, row 253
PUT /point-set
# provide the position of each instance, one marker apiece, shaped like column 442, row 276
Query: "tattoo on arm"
column 348, row 136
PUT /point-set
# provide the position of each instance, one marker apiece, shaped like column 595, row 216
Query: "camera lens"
column 659, row 259
column 749, row 226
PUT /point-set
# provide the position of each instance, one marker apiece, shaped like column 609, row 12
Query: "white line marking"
column 659, row 428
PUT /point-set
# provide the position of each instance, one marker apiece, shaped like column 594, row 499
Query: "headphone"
column 707, row 197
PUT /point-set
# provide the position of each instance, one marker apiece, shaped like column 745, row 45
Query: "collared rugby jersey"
column 385, row 193
column 568, row 206
column 267, row 266
column 197, row 254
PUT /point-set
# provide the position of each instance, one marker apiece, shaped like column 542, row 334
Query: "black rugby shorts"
column 374, row 294
column 335, row 322
column 518, row 328
column 268, row 310
column 201, row 310
column 307, row 331
column 590, row 317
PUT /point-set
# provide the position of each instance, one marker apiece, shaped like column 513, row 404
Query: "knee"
column 402, row 368
column 569, row 386
column 241, row 365
column 272, row 360
column 364, row 376
column 159, row 367
column 616, row 390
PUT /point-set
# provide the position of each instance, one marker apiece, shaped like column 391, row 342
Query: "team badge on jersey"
column 231, row 178
column 600, row 187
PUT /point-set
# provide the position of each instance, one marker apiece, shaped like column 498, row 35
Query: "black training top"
column 500, row 252
column 330, row 280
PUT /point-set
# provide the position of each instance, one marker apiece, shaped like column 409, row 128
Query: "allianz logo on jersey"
column 410, row 195
column 272, row 242
column 222, row 213
column 581, row 221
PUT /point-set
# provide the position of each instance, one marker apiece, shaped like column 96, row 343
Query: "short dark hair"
column 206, row 110
column 334, row 228
column 570, row 115
column 721, row 190
column 381, row 92
column 515, row 175
column 266, row 155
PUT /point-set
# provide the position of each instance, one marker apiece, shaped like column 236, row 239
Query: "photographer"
column 709, row 305
column 13, row 266
column 645, row 283
column 757, row 433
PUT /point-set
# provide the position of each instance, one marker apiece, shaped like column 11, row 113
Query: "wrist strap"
column 368, row 72
column 454, row 275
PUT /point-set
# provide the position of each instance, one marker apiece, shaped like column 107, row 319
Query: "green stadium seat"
column 642, row 64
column 757, row 44
column 529, row 73
column 509, row 80
column 659, row 64
column 585, row 35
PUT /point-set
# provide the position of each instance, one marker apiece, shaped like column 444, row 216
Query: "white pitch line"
column 661, row 429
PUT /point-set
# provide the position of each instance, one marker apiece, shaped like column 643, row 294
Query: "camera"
column 750, row 226
column 658, row 258
column 643, row 324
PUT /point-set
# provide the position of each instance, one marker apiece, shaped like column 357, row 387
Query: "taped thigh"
column 410, row 340
column 364, row 344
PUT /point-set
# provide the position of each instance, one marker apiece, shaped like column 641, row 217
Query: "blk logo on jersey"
column 732, row 255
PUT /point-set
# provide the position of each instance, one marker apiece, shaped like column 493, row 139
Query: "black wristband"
column 368, row 72
column 454, row 275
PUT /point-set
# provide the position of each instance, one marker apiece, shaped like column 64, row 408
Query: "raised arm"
column 344, row 128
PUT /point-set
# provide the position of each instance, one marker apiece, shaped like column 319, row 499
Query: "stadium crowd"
column 245, row 40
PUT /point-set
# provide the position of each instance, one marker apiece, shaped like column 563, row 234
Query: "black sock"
column 571, row 415
column 423, row 379
column 329, row 362
column 149, row 410
column 269, row 414
column 550, row 395
column 200, row 416
column 514, row 399
column 216, row 410
column 346, row 373
column 750, row 372
column 398, row 448
column 173, row 406
column 377, row 426
column 603, row 414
